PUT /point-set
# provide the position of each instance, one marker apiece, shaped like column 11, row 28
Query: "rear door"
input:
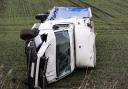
column 62, row 53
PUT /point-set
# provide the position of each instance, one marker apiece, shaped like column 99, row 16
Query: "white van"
column 62, row 41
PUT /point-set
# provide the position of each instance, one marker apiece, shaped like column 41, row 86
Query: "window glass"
column 62, row 53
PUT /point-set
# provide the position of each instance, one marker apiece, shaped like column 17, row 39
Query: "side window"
column 62, row 53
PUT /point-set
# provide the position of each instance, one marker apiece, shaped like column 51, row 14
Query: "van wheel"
column 27, row 34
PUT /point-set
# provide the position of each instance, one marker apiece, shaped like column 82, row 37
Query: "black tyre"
column 41, row 17
column 28, row 34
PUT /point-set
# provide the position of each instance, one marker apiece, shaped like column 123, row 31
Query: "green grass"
column 110, row 17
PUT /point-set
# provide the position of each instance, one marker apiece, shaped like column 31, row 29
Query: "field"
column 111, row 27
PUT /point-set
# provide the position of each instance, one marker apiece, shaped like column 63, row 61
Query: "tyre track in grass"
column 89, row 5
column 119, row 22
column 96, row 11
column 121, row 13
column 29, row 7
column 76, row 4
column 23, row 7
column 34, row 7
column 26, row 11
column 2, row 7
column 11, row 12
column 2, row 10
column 21, row 11
column 119, row 6
column 84, row 82
column 64, row 2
